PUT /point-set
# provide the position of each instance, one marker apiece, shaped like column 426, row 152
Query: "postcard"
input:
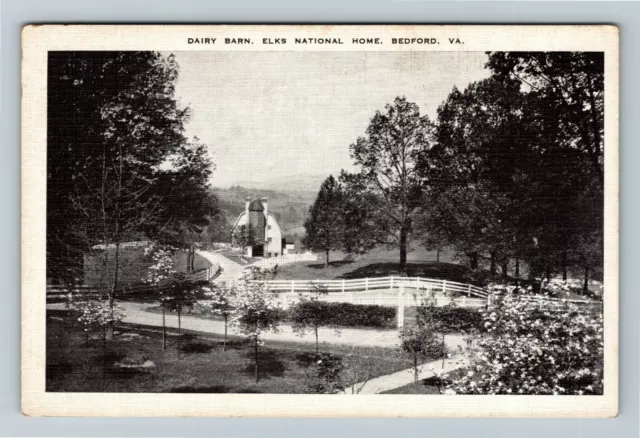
column 320, row 220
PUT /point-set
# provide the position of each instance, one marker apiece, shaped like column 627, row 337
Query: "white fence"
column 423, row 285
column 284, row 259
column 402, row 292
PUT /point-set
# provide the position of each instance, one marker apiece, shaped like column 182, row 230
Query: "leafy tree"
column 393, row 161
column 245, row 236
column 180, row 293
column 565, row 108
column 309, row 312
column 324, row 226
column 257, row 309
column 420, row 343
column 189, row 208
column 159, row 275
column 221, row 299
column 481, row 147
column 569, row 87
column 113, row 125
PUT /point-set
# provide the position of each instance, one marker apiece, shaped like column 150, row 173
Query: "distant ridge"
column 300, row 182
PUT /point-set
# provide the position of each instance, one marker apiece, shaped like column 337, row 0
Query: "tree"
column 482, row 146
column 565, row 106
column 245, row 236
column 309, row 312
column 113, row 125
column 221, row 299
column 420, row 343
column 180, row 293
column 159, row 274
column 530, row 349
column 257, row 309
column 324, row 226
column 189, row 209
column 393, row 162
column 570, row 86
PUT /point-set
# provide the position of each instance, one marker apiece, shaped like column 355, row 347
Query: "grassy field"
column 133, row 266
column 431, row 386
column 75, row 366
column 378, row 263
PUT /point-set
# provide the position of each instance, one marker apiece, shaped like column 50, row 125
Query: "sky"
column 266, row 116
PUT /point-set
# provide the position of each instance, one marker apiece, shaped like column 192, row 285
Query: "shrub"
column 327, row 378
column 348, row 315
column 529, row 350
column 452, row 319
column 420, row 343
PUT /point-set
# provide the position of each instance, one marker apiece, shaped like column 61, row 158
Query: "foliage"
column 245, row 236
column 309, row 312
column 530, row 349
column 97, row 315
column 451, row 318
column 393, row 164
column 181, row 293
column 419, row 342
column 115, row 138
column 328, row 378
column 257, row 309
column 325, row 224
column 220, row 300
column 347, row 314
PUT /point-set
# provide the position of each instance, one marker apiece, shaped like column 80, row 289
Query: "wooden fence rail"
column 61, row 292
column 426, row 285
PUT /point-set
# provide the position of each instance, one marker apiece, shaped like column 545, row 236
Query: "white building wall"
column 273, row 233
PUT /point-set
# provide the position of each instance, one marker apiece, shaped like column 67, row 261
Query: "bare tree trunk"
column 493, row 262
column 255, row 345
column 473, row 260
column 585, row 287
column 403, row 249
column 326, row 263
column 112, row 294
column 224, row 345
column 517, row 268
column 564, row 265
column 415, row 367
column 438, row 254
column 444, row 354
column 505, row 268
column 179, row 332
column 317, row 346
column 164, row 329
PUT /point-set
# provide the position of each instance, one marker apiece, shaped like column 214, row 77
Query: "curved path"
column 231, row 270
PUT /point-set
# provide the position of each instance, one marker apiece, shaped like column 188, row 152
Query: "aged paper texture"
column 320, row 221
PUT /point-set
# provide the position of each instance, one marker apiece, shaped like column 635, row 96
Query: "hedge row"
column 347, row 314
column 452, row 319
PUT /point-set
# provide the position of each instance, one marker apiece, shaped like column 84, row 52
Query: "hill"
column 291, row 207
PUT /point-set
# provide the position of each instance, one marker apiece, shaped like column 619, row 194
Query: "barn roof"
column 256, row 206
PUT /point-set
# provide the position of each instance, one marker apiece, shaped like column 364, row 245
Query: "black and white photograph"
column 407, row 217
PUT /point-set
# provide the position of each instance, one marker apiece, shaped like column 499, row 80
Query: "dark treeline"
column 510, row 172
column 120, row 167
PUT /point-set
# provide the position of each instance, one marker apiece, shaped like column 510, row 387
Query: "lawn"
column 380, row 262
column 74, row 366
column 431, row 386
column 133, row 265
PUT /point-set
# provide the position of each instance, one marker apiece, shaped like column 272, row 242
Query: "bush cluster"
column 348, row 315
column 452, row 319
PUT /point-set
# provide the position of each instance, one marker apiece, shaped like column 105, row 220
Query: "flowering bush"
column 220, row 299
column 257, row 309
column 529, row 348
column 95, row 315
